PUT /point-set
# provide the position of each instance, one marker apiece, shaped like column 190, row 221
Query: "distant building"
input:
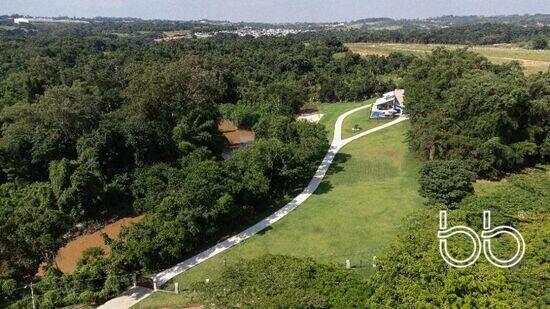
column 47, row 21
column 390, row 105
column 249, row 31
column 21, row 21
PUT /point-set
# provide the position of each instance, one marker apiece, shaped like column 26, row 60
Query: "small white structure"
column 389, row 105
column 310, row 117
column 48, row 21
column 21, row 21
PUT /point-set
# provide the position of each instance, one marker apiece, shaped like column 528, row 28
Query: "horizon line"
column 11, row 15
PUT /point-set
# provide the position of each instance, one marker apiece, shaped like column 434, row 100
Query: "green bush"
column 276, row 281
column 540, row 42
column 446, row 182
column 412, row 274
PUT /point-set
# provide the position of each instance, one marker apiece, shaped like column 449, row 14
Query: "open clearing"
column 354, row 214
column 532, row 60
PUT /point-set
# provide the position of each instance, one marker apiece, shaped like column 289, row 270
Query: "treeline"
column 516, row 19
column 469, row 34
column 471, row 118
column 411, row 272
column 97, row 127
column 489, row 116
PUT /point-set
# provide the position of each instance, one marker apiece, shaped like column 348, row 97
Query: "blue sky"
column 271, row 10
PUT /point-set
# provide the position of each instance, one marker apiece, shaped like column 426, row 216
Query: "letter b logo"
column 487, row 234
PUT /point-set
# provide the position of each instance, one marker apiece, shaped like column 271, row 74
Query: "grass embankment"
column 355, row 213
column 533, row 61
column 413, row 274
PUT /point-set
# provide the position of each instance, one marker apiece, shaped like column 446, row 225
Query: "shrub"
column 276, row 281
column 446, row 182
column 540, row 42
column 411, row 273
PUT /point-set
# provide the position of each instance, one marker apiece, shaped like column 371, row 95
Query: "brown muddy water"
column 68, row 255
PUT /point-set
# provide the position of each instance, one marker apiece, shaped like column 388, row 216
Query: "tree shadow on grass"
column 265, row 230
column 324, row 187
column 337, row 166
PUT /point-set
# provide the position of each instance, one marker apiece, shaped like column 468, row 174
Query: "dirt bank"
column 68, row 255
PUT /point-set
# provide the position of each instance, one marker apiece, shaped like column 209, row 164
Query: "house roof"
column 233, row 134
column 382, row 101
column 400, row 95
column 389, row 94
column 397, row 94
column 226, row 126
column 239, row 137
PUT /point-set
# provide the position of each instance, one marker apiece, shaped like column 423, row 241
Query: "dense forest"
column 96, row 126
column 530, row 31
column 467, row 34
column 489, row 116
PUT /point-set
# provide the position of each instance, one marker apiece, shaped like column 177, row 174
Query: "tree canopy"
column 463, row 107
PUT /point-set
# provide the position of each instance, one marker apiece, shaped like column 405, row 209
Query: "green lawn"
column 167, row 300
column 8, row 27
column 331, row 112
column 360, row 118
column 532, row 60
column 354, row 214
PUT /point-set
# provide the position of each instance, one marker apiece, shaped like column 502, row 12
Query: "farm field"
column 533, row 61
column 355, row 213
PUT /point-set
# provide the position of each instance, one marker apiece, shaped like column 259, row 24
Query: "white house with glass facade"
column 390, row 105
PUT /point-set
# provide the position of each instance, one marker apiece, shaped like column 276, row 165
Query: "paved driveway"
column 337, row 143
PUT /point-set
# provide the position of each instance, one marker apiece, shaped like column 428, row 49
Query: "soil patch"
column 68, row 255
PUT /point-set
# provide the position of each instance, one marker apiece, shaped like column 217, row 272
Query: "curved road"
column 126, row 301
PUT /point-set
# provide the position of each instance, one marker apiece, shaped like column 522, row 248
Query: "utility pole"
column 32, row 297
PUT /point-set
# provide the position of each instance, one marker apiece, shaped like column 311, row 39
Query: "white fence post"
column 176, row 288
column 348, row 264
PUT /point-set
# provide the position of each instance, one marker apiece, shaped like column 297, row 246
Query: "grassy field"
column 331, row 112
column 8, row 27
column 354, row 214
column 360, row 118
column 532, row 60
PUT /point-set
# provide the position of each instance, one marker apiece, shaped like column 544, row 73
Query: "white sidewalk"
column 127, row 299
column 337, row 143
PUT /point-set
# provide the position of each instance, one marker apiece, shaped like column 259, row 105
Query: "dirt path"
column 537, row 63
